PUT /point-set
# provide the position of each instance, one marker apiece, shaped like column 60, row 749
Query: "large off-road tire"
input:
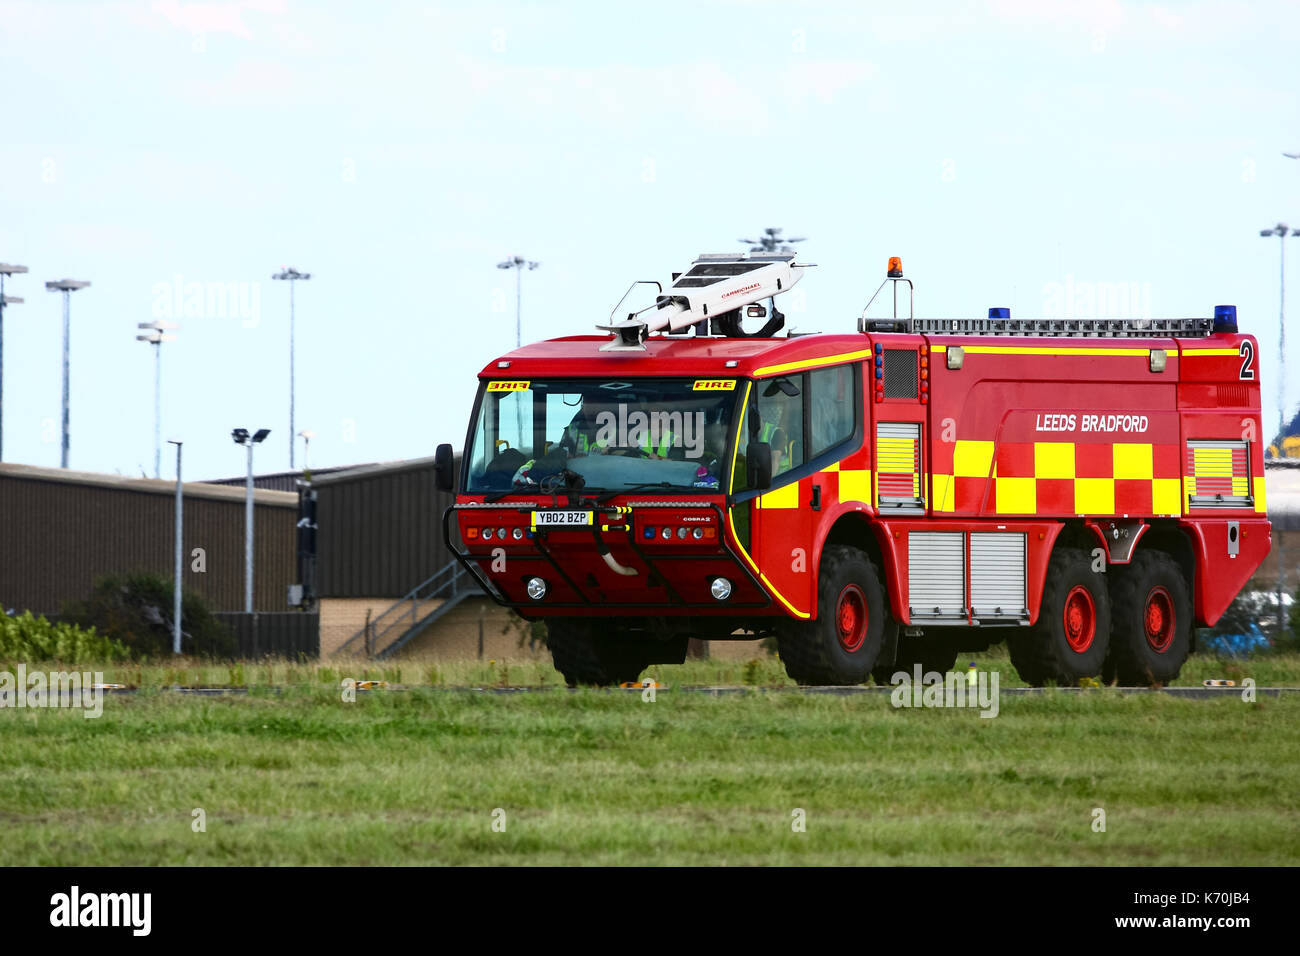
column 841, row 644
column 585, row 656
column 1151, row 619
column 932, row 652
column 1070, row 639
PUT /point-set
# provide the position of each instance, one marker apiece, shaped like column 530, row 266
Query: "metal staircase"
column 405, row 619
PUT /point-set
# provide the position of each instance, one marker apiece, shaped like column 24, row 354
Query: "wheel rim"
column 1080, row 619
column 1159, row 619
column 851, row 617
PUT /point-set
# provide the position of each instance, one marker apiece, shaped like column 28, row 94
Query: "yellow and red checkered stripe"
column 1060, row 478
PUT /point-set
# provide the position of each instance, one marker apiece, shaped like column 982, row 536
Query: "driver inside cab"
column 772, row 429
column 582, row 436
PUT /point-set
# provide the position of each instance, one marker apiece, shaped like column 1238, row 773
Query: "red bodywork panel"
column 1220, row 575
column 1028, row 434
column 579, row 355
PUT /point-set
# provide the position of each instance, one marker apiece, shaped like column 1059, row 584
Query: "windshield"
column 614, row 433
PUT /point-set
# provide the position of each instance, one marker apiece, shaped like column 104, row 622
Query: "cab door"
column 810, row 420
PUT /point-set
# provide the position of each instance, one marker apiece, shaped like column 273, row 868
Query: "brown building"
column 381, row 558
column 380, row 552
column 62, row 529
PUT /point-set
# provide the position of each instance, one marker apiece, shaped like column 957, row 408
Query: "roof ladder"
column 1101, row 328
column 1225, row 319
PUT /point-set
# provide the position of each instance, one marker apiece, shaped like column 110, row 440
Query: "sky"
column 1056, row 156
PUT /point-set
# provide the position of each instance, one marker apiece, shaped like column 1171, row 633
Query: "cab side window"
column 779, row 421
column 740, row 473
column 832, row 399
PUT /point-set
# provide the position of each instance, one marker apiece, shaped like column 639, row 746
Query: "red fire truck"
column 1086, row 490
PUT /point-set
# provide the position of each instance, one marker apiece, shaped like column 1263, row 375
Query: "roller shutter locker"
column 898, row 467
column 997, row 575
column 1218, row 475
column 936, row 579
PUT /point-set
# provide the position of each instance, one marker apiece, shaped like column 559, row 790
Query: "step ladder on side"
column 410, row 615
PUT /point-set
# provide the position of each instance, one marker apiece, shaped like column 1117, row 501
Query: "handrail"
column 447, row 582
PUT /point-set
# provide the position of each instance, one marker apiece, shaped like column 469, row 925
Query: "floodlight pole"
column 248, row 533
column 67, row 330
column 518, row 263
column 242, row 437
column 156, row 337
column 157, row 409
column 2, row 366
column 5, row 270
column 180, row 526
column 292, row 275
column 1283, row 233
column 67, row 287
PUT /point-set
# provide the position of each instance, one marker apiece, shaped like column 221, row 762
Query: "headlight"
column 536, row 588
column 720, row 588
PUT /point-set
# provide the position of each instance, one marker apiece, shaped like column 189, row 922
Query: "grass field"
column 298, row 776
column 1276, row 670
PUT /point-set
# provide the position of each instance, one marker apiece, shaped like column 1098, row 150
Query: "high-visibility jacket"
column 766, row 432
column 583, row 444
column 665, row 442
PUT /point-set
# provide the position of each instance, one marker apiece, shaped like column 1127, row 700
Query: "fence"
column 288, row 634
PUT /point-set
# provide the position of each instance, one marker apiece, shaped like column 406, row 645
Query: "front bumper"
column 672, row 574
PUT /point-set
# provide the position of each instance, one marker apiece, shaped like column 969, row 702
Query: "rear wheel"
column 841, row 645
column 1070, row 639
column 1153, row 620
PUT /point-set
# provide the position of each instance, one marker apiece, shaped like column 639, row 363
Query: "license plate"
column 561, row 519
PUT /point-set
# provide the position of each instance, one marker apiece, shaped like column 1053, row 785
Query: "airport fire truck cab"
column 1086, row 490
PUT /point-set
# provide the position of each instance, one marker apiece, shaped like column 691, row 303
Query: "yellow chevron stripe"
column 813, row 363
column 1036, row 350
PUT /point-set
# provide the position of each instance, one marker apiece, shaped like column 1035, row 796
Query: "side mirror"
column 758, row 465
column 444, row 465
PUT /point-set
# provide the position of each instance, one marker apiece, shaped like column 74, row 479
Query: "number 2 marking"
column 1247, row 351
